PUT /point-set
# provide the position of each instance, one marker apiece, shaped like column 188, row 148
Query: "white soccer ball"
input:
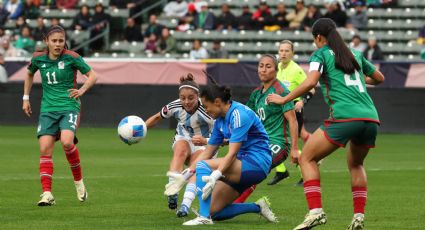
column 132, row 129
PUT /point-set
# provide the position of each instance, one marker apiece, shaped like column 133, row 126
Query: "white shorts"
column 193, row 148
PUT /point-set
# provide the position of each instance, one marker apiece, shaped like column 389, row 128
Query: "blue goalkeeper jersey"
column 241, row 124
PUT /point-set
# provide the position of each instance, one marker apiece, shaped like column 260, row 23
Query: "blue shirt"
column 241, row 124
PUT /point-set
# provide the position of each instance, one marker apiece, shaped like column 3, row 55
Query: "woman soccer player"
column 193, row 128
column 353, row 118
column 60, row 107
column 279, row 120
column 246, row 163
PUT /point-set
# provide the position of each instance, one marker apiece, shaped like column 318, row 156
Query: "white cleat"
column 312, row 220
column 198, row 221
column 265, row 210
column 82, row 194
column 357, row 223
column 47, row 199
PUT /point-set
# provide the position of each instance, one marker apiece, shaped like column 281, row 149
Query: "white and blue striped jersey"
column 188, row 125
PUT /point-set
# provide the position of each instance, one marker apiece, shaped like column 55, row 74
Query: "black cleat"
column 278, row 177
column 172, row 201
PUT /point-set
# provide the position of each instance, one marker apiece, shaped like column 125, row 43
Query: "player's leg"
column 279, row 154
column 181, row 152
column 68, row 125
column 315, row 149
column 304, row 135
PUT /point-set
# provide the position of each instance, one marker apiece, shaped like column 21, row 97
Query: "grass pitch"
column 125, row 185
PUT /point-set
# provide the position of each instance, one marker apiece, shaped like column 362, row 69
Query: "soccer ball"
column 132, row 129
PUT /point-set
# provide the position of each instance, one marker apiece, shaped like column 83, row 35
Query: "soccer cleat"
column 82, row 194
column 172, row 201
column 357, row 223
column 300, row 182
column 265, row 210
column 47, row 199
column 278, row 177
column 198, row 221
column 312, row 220
column 183, row 211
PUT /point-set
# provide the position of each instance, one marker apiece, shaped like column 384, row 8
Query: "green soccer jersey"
column 346, row 94
column 57, row 77
column 292, row 76
column 272, row 115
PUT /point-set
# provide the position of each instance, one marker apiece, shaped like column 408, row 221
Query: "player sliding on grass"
column 246, row 163
column 193, row 128
column 60, row 107
column 343, row 75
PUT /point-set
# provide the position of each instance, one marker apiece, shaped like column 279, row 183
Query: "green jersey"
column 345, row 94
column 272, row 115
column 292, row 76
column 57, row 77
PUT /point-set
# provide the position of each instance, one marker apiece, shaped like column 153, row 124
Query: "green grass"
column 126, row 183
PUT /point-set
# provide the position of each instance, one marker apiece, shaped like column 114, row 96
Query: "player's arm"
column 293, row 131
column 375, row 78
column 26, row 106
column 91, row 80
column 306, row 86
column 153, row 120
column 230, row 157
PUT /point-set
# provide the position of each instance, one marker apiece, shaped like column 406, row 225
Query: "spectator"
column 312, row 15
column 66, row 4
column 3, row 73
column 421, row 36
column 245, row 19
column 4, row 14
column 9, row 50
column 15, row 8
column 122, row 4
column 296, row 17
column 166, row 43
column 25, row 40
column 280, row 17
column 31, row 11
column 359, row 19
column 176, row 9
column 55, row 22
column 132, row 31
column 373, row 52
column 262, row 16
column 150, row 44
column 83, row 20
column 49, row 4
column 19, row 24
column 226, row 20
column 204, row 20
column 389, row 3
column 186, row 22
column 197, row 51
column 3, row 36
column 153, row 28
column 218, row 51
column 357, row 44
column 100, row 20
column 337, row 14
column 40, row 30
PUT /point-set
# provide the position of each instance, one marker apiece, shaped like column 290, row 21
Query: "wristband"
column 26, row 97
column 307, row 97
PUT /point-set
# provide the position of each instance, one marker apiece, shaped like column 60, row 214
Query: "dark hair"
column 274, row 59
column 55, row 29
column 215, row 90
column 189, row 80
column 344, row 58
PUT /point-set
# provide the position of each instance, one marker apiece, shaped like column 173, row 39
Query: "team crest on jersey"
column 61, row 65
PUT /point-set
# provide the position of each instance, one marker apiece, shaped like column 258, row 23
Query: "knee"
column 180, row 154
column 67, row 144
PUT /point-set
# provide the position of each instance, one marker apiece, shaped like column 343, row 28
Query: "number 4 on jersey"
column 356, row 82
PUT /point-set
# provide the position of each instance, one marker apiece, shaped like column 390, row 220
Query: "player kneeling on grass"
column 193, row 128
column 247, row 162
column 60, row 107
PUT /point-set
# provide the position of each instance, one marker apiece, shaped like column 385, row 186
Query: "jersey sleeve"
column 81, row 65
column 240, row 123
column 32, row 67
column 217, row 136
column 368, row 68
column 287, row 106
column 251, row 101
column 168, row 110
column 316, row 62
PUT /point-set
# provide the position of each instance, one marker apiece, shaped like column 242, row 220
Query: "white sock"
column 189, row 194
column 315, row 211
column 359, row 215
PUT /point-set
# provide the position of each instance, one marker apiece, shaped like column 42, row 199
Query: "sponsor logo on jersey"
column 61, row 65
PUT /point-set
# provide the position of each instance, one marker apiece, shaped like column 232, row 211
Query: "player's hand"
column 199, row 140
column 276, row 99
column 210, row 180
column 26, row 107
column 299, row 106
column 176, row 185
column 295, row 154
column 76, row 93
